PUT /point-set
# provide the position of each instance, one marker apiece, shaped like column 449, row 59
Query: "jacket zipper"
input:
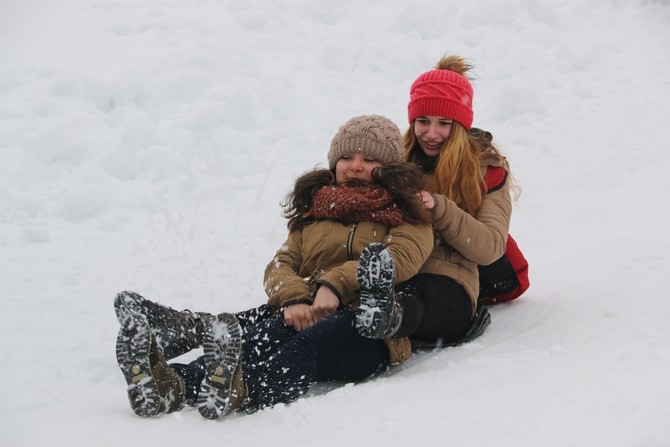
column 350, row 241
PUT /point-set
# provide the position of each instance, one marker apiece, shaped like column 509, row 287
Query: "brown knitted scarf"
column 349, row 204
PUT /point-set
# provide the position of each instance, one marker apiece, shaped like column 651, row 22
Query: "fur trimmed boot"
column 153, row 387
column 176, row 332
column 379, row 314
column 223, row 389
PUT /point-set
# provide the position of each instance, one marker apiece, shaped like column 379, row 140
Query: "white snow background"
column 146, row 145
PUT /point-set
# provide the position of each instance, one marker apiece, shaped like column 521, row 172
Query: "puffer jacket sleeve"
column 481, row 239
column 409, row 244
column 282, row 281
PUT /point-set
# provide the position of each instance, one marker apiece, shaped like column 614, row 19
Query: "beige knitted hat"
column 374, row 135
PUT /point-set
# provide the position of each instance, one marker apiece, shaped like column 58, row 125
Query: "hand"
column 299, row 316
column 325, row 303
column 427, row 199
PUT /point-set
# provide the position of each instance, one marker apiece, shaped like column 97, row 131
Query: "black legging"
column 280, row 364
column 435, row 309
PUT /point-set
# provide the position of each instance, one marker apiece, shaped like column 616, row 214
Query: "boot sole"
column 132, row 354
column 376, row 278
column 127, row 305
column 222, row 347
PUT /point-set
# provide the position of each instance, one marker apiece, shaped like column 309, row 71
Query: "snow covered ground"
column 146, row 145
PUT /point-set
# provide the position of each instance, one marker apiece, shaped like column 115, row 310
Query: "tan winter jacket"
column 328, row 251
column 463, row 241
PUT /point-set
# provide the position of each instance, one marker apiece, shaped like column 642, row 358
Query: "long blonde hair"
column 457, row 172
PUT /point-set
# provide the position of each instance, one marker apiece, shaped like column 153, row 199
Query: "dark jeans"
column 436, row 309
column 280, row 364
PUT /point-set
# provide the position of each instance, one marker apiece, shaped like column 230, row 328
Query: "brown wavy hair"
column 403, row 180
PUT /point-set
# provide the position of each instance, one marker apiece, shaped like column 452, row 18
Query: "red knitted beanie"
column 441, row 93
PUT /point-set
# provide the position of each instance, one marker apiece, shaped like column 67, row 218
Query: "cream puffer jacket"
column 463, row 242
column 327, row 251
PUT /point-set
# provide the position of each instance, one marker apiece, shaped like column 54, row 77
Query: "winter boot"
column 480, row 321
column 153, row 387
column 222, row 390
column 379, row 314
column 176, row 332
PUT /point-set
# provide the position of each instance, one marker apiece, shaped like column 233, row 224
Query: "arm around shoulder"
column 481, row 238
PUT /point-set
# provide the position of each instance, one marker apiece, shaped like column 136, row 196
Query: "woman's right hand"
column 427, row 199
column 299, row 316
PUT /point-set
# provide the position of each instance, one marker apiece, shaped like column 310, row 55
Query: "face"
column 355, row 166
column 432, row 132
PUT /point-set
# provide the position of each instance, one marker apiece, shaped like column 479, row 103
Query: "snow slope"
column 147, row 145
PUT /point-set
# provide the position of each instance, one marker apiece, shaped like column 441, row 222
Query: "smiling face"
column 431, row 132
column 355, row 166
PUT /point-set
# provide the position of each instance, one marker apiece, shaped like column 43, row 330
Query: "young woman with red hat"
column 438, row 306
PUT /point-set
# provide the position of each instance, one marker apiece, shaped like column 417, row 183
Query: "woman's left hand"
column 325, row 303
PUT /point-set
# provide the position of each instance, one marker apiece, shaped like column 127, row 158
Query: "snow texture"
column 146, row 145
